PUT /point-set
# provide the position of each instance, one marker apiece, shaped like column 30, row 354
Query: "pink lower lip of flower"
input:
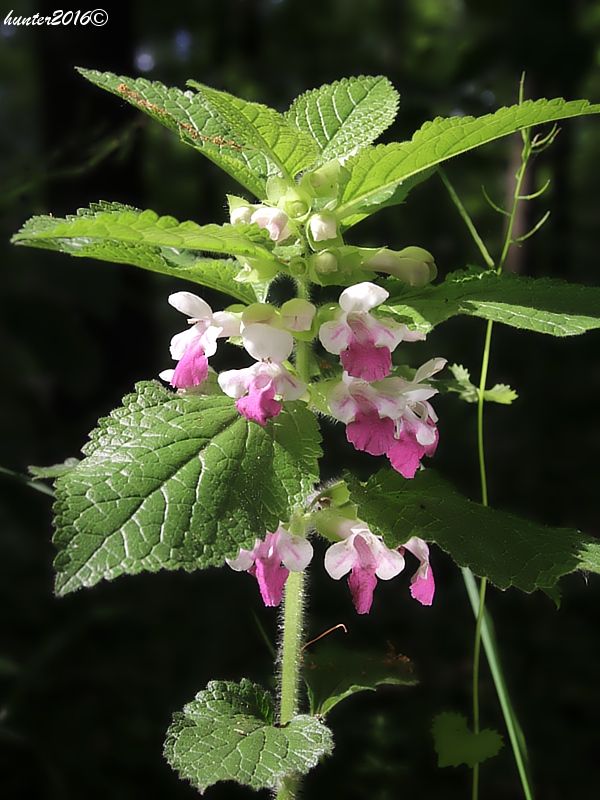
column 271, row 560
column 366, row 361
column 191, row 369
column 259, row 405
column 371, row 433
column 406, row 452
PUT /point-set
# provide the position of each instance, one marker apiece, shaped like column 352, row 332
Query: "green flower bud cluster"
column 302, row 221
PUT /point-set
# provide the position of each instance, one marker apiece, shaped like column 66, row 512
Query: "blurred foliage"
column 88, row 683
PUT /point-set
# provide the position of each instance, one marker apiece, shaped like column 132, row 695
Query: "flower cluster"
column 265, row 334
column 384, row 415
column 359, row 552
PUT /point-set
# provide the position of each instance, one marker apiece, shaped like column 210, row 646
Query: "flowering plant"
column 222, row 469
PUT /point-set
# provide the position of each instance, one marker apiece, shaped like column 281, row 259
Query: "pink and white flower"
column 270, row 562
column 256, row 387
column 274, row 220
column 193, row 347
column 422, row 584
column 365, row 556
column 390, row 417
column 363, row 342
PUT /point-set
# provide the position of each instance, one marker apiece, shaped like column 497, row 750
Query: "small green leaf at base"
column 227, row 733
column 455, row 744
column 334, row 673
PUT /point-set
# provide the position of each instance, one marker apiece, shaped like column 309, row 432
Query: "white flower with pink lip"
column 271, row 561
column 363, row 342
column 254, row 388
column 193, row 347
column 365, row 556
column 274, row 220
column 391, row 416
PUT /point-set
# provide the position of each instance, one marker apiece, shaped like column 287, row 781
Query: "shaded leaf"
column 455, row 744
column 506, row 549
column 333, row 673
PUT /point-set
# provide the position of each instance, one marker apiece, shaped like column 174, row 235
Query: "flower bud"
column 256, row 270
column 274, row 220
column 335, row 523
column 321, row 227
column 323, row 263
column 262, row 313
column 298, row 267
column 413, row 265
column 239, row 209
column 297, row 314
column 324, row 181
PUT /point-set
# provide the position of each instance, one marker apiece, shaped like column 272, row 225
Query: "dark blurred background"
column 88, row 683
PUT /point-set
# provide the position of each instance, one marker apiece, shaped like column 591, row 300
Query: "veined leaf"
column 346, row 114
column 228, row 733
column 377, row 168
column 195, row 121
column 265, row 129
column 178, row 481
column 160, row 244
column 545, row 305
column 507, row 550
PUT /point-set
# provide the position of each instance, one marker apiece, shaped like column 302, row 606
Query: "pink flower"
column 422, row 585
column 363, row 342
column 365, row 556
column 270, row 562
column 192, row 347
column 390, row 417
column 255, row 387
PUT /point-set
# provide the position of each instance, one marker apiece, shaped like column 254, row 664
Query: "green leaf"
column 499, row 393
column 455, row 744
column 346, row 114
column 195, row 121
column 544, row 305
column 392, row 196
column 377, row 168
column 265, row 129
column 54, row 471
column 506, row 549
column 110, row 232
column 334, row 673
column 175, row 481
column 228, row 734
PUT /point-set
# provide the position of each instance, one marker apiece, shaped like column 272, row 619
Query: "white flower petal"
column 336, row 335
column 265, row 342
column 295, row 551
column 191, row 305
column 229, row 323
column 362, row 297
column 340, row 558
column 429, row 368
column 181, row 341
column 235, row 382
column 243, row 561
